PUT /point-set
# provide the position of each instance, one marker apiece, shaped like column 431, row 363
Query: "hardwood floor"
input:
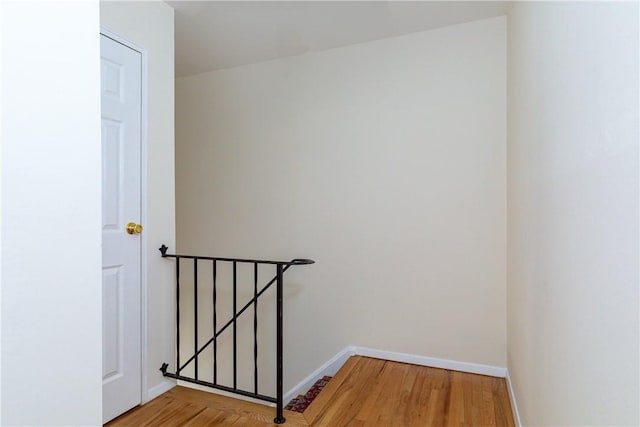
column 374, row 392
column 366, row 392
column 183, row 406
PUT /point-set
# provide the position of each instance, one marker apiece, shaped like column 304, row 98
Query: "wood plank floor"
column 366, row 392
column 374, row 392
column 183, row 406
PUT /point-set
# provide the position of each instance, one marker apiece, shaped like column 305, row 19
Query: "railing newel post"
column 279, row 419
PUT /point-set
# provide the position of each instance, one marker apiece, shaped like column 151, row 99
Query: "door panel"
column 112, row 323
column 121, row 71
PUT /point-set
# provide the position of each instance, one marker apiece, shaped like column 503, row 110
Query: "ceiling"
column 211, row 35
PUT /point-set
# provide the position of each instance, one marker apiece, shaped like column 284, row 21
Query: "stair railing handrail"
column 281, row 268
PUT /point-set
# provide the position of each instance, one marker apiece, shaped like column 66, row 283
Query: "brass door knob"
column 133, row 228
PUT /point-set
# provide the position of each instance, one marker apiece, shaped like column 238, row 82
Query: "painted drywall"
column 149, row 24
column 51, row 257
column 1, row 139
column 573, row 212
column 385, row 162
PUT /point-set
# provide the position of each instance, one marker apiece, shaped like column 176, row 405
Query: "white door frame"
column 143, row 208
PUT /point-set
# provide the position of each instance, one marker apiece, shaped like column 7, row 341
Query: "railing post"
column 177, row 315
column 279, row 419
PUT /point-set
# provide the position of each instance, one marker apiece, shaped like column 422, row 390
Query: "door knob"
column 133, row 228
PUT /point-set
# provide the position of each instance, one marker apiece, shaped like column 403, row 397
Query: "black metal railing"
column 280, row 268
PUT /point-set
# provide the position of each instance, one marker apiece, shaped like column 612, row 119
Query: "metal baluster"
column 279, row 419
column 215, row 326
column 230, row 322
column 235, row 337
column 255, row 327
column 177, row 316
column 195, row 314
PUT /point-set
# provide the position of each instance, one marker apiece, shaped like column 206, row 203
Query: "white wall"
column 150, row 24
column 573, row 212
column 51, row 285
column 386, row 163
column 2, row 36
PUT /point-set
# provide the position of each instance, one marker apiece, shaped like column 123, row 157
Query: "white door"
column 121, row 71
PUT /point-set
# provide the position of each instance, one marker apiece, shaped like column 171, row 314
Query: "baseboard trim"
column 333, row 365
column 512, row 399
column 159, row 389
column 432, row 362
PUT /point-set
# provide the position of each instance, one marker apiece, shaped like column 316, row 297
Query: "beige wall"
column 51, row 208
column 149, row 24
column 573, row 212
column 383, row 161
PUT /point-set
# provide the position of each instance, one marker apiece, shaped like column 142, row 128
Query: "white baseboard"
column 514, row 405
column 332, row 366
column 156, row 391
column 432, row 362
